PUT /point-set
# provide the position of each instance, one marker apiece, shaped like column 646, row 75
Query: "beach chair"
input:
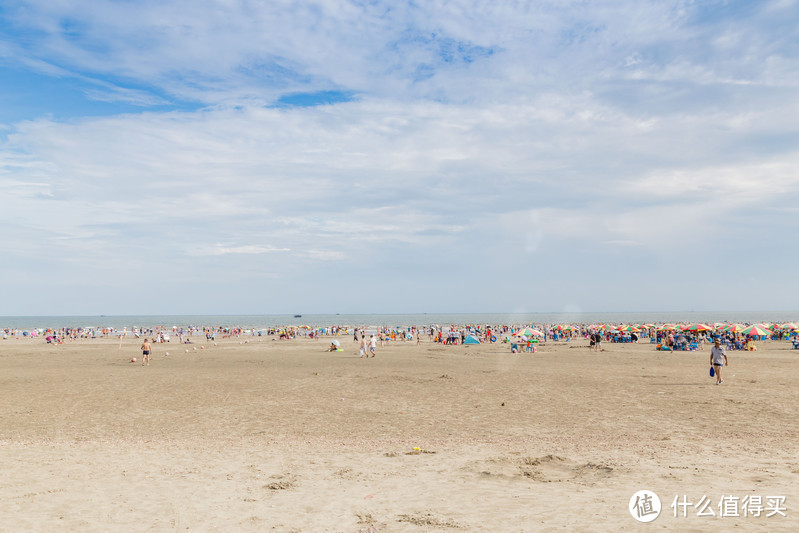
column 653, row 340
column 514, row 348
column 693, row 346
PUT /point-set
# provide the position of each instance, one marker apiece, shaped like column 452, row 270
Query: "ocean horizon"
column 395, row 319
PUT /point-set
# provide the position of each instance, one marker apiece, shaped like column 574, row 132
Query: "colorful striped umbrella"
column 697, row 327
column 735, row 328
column 755, row 330
column 527, row 332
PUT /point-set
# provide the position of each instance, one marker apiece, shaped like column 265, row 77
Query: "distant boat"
column 297, row 316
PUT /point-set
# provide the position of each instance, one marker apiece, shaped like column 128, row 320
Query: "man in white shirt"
column 718, row 358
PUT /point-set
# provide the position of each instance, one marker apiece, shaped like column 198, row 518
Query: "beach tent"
column 471, row 339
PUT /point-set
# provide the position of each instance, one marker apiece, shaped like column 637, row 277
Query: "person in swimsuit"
column 145, row 352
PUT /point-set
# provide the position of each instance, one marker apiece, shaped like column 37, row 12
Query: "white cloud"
column 325, row 255
column 486, row 139
column 213, row 51
column 249, row 249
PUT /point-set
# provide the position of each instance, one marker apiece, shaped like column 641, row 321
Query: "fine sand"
column 270, row 435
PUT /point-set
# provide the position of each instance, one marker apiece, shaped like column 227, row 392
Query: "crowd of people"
column 666, row 337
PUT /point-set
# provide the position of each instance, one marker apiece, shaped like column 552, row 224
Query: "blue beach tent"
column 471, row 339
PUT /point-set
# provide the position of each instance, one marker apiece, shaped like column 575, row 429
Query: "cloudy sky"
column 344, row 156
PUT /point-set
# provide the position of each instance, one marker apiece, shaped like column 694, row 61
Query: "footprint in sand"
column 546, row 469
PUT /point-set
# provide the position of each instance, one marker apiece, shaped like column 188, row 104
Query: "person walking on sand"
column 363, row 346
column 372, row 345
column 145, row 352
column 718, row 358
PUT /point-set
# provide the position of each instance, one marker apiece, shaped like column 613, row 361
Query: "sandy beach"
column 270, row 435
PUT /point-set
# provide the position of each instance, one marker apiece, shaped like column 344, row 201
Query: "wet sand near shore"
column 270, row 435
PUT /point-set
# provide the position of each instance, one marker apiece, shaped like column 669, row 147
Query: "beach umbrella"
column 564, row 327
column 665, row 327
column 697, row 327
column 628, row 329
column 527, row 332
column 734, row 328
column 755, row 330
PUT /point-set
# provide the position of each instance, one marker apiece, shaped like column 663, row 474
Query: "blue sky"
column 245, row 157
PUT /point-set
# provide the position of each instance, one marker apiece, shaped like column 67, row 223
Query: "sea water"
column 394, row 320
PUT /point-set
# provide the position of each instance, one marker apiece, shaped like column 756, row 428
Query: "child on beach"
column 145, row 352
